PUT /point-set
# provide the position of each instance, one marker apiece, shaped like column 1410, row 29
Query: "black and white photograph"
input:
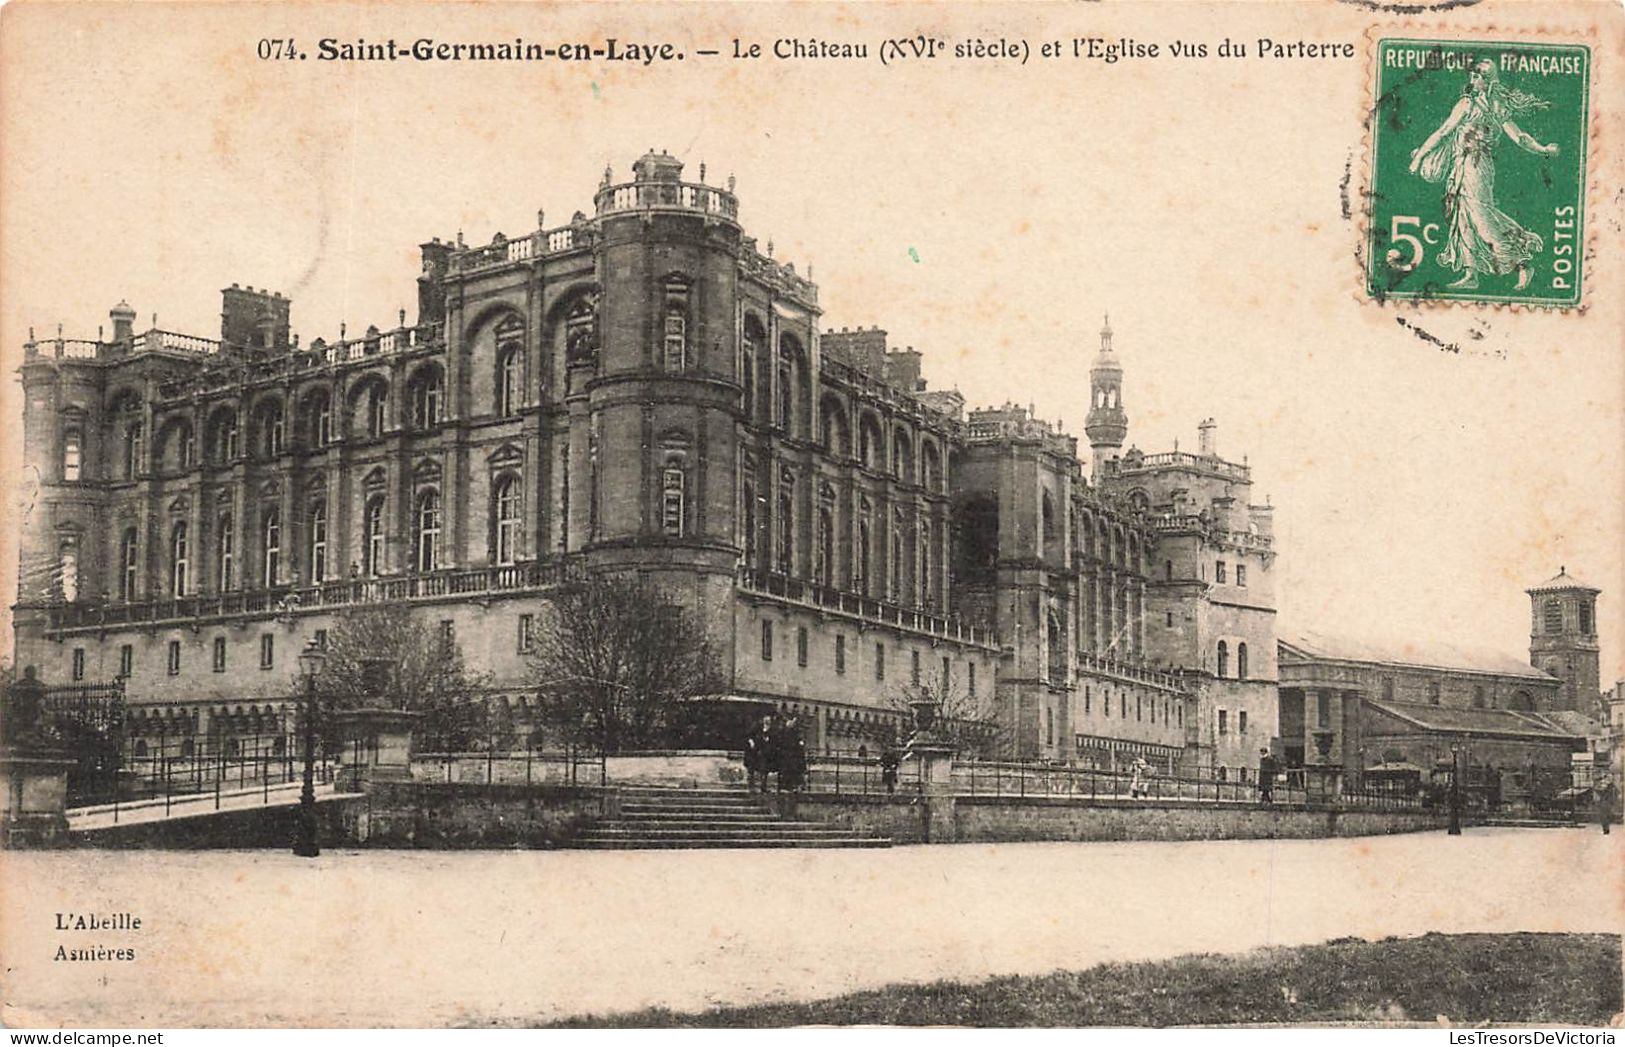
column 804, row 514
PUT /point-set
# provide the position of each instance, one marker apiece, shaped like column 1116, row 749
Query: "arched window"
column 1224, row 659
column 902, row 457
column 377, row 409
column 372, row 537
column 1047, row 512
column 271, row 546
column 268, row 425
column 894, row 563
column 318, row 543
column 508, row 519
column 749, row 362
column 225, row 552
column 178, row 560
column 1241, row 661
column 787, row 524
column 674, row 343
column 72, row 455
column 931, row 460
column 748, row 494
column 427, row 556
column 863, row 569
column 128, row 551
column 1056, row 635
column 319, row 419
column 673, row 498
column 786, row 410
column 223, row 441
column 1554, row 616
column 177, row 448
column 68, row 568
column 134, row 449
column 509, row 392
column 427, row 390
column 824, row 548
column 927, row 596
column 868, row 442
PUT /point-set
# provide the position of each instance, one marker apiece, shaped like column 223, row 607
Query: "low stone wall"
column 987, row 819
column 451, row 816
column 249, row 828
column 694, row 768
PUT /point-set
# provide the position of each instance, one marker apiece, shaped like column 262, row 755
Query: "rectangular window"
column 1106, row 705
column 767, row 641
column 914, row 668
column 1218, row 572
column 267, row 650
column 947, row 675
column 448, row 631
column 174, row 657
column 1241, row 722
column 126, row 660
column 880, row 661
column 840, row 654
column 527, row 638
column 1088, row 701
column 1323, row 710
column 970, row 678
column 1241, row 575
column 1224, row 722
column 801, row 646
column 1139, row 708
column 1170, row 619
column 321, row 639
column 219, row 654
column 78, row 663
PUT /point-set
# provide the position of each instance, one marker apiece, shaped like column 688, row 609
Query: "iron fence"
column 526, row 767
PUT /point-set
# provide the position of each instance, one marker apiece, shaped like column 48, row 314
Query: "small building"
column 1362, row 706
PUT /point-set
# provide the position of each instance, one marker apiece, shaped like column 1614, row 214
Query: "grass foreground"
column 1561, row 979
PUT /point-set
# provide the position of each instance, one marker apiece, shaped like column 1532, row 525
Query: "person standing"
column 792, row 755
column 758, row 752
column 890, row 758
column 1267, row 770
column 1136, row 785
column 1605, row 804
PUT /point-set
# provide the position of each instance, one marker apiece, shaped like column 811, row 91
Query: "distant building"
column 1363, row 706
column 647, row 390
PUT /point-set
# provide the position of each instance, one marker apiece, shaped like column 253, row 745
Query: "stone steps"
column 656, row 818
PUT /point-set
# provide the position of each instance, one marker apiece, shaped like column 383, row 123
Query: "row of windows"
column 172, row 657
column 1224, row 721
column 268, row 431
column 426, row 543
column 1172, row 710
column 803, row 640
column 1224, row 660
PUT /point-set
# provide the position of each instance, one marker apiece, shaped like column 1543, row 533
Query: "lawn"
column 1567, row 979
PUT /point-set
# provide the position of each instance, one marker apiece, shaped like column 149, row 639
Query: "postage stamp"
column 1478, row 171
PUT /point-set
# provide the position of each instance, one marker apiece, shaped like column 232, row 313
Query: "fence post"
column 166, row 787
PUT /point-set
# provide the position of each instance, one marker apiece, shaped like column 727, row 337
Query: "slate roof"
column 1420, row 654
column 1564, row 580
column 1447, row 720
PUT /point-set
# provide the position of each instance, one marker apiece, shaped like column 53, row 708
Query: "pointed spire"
column 1106, row 334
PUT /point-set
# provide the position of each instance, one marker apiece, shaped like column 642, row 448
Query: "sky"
column 988, row 214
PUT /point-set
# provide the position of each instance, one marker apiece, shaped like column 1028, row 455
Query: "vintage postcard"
column 768, row 515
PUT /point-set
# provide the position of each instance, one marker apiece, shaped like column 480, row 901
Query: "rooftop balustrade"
column 879, row 612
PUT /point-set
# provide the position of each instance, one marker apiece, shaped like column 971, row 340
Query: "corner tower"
column 1563, row 638
column 1106, row 424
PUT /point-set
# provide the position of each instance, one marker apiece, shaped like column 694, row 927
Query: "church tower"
column 1563, row 638
column 1106, row 424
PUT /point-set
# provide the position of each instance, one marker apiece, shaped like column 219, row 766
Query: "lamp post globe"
column 311, row 661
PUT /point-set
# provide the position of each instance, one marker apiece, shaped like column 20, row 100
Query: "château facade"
column 640, row 390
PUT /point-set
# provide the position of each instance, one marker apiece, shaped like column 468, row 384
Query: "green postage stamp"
column 1478, row 171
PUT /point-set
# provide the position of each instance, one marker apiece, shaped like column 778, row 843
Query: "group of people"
column 776, row 748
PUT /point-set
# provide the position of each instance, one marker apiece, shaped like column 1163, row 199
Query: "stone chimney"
column 123, row 318
column 1207, row 445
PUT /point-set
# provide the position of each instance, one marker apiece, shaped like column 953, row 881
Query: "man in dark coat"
column 1267, row 770
column 792, row 754
column 1605, row 804
column 890, row 758
column 759, row 754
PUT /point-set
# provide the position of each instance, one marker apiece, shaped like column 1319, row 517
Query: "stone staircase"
column 653, row 817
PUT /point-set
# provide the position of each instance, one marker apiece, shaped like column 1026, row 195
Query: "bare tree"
column 969, row 721
column 614, row 661
column 386, row 654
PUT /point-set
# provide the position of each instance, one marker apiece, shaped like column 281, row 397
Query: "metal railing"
column 827, row 598
column 219, row 772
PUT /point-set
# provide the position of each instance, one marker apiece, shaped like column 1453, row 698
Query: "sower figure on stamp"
column 1461, row 153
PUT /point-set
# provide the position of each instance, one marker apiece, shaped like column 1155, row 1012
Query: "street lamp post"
column 311, row 660
column 1455, row 789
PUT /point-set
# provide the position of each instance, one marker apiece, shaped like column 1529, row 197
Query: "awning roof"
column 1447, row 720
